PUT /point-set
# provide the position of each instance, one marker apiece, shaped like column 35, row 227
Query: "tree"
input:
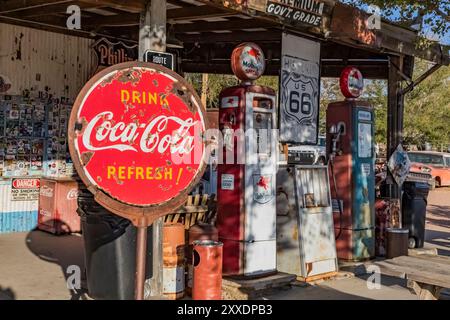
column 428, row 15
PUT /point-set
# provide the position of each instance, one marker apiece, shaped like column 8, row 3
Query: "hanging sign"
column 299, row 90
column 136, row 139
column 162, row 58
column 247, row 61
column 351, row 82
column 110, row 53
column 308, row 12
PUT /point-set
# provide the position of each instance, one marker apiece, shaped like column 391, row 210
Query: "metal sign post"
column 136, row 139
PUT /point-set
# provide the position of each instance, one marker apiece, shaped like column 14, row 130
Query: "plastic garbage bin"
column 110, row 251
column 414, row 207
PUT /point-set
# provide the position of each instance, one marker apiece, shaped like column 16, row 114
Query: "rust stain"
column 108, row 80
column 155, row 82
column 164, row 188
column 131, row 75
column 183, row 93
column 86, row 157
column 168, row 162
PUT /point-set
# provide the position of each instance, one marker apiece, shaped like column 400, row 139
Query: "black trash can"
column 109, row 250
column 414, row 208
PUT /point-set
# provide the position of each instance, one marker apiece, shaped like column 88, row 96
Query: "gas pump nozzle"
column 337, row 131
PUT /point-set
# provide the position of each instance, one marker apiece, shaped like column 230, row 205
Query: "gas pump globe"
column 246, row 185
column 350, row 148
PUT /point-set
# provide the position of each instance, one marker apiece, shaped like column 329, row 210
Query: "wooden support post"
column 393, row 129
column 152, row 36
column 204, row 89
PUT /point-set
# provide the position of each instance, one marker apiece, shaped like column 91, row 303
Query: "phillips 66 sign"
column 136, row 138
column 299, row 90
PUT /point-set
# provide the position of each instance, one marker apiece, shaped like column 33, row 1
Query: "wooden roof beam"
column 55, row 8
column 199, row 26
column 8, row 6
column 128, row 19
column 128, row 5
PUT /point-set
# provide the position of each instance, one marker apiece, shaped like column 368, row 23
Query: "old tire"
column 411, row 243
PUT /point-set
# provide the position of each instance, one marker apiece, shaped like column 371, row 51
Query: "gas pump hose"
column 341, row 213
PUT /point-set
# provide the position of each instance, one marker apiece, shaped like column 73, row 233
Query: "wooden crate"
column 197, row 208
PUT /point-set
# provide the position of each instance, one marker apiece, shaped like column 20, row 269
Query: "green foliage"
column 217, row 82
column 429, row 14
column 427, row 109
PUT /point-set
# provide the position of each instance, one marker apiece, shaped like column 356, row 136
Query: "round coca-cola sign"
column 351, row 82
column 136, row 138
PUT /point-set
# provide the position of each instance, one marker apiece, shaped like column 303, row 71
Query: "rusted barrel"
column 396, row 242
column 207, row 261
column 173, row 260
column 199, row 231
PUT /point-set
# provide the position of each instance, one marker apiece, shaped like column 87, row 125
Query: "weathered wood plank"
column 416, row 273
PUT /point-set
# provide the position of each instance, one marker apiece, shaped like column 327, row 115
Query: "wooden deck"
column 427, row 274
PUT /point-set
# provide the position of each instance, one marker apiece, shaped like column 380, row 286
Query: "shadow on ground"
column 7, row 294
column 64, row 250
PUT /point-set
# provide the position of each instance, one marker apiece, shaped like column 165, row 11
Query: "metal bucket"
column 396, row 242
column 173, row 260
column 199, row 231
column 207, row 277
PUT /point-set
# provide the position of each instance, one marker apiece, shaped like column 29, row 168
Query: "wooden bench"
column 197, row 208
column 426, row 274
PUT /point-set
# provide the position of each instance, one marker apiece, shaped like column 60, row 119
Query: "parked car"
column 435, row 163
column 310, row 154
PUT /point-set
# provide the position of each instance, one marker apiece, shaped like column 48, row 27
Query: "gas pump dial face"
column 351, row 82
column 248, row 62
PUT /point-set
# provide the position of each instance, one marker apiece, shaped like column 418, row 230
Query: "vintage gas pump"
column 350, row 147
column 246, row 184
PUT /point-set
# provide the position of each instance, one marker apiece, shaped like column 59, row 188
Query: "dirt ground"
column 34, row 265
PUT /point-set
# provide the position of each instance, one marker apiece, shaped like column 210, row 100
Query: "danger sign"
column 136, row 138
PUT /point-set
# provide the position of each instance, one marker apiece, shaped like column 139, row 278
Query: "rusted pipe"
column 141, row 249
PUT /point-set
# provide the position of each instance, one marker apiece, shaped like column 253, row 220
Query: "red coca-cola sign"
column 136, row 138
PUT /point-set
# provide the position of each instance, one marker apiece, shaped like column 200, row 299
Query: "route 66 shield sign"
column 299, row 100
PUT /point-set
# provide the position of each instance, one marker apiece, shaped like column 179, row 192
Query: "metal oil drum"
column 173, row 261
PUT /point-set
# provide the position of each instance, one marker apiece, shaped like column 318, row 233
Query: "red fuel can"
column 207, row 261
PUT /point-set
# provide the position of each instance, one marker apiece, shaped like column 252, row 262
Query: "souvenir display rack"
column 33, row 137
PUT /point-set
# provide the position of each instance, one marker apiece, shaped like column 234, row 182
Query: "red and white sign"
column 25, row 183
column 136, row 134
column 247, row 61
column 230, row 102
column 351, row 82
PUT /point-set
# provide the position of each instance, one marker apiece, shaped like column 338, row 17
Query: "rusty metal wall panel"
column 16, row 216
column 37, row 60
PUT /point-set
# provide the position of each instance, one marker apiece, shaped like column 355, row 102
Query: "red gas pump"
column 246, row 180
column 350, row 132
